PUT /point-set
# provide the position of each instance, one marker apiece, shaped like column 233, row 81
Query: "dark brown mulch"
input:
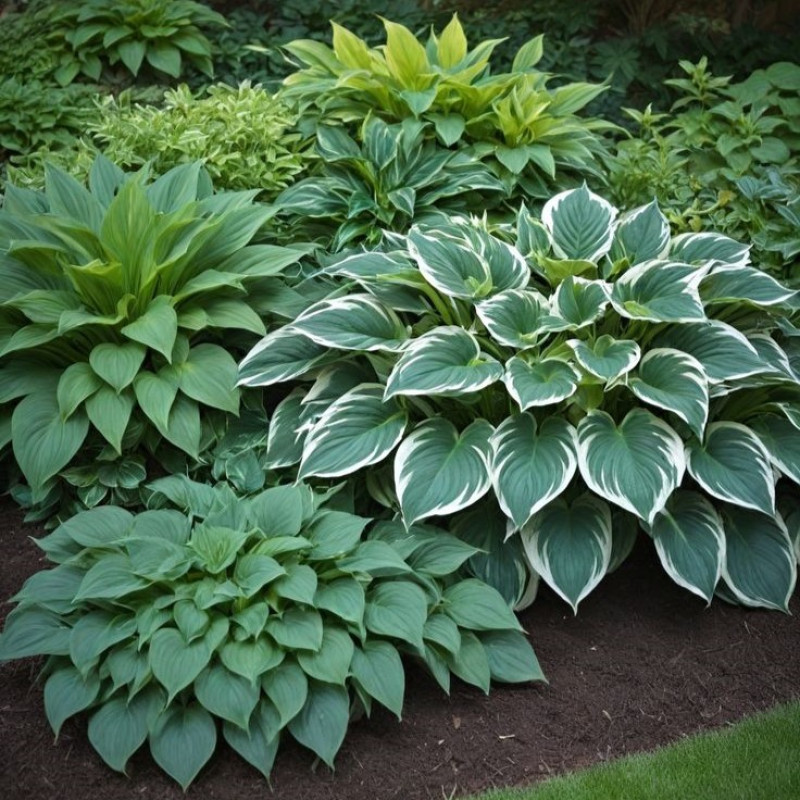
column 644, row 663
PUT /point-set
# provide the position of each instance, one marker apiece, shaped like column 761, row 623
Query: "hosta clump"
column 593, row 374
column 529, row 131
column 268, row 615
column 115, row 300
column 392, row 178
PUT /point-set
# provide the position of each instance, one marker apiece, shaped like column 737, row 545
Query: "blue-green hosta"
column 113, row 303
column 263, row 616
column 594, row 373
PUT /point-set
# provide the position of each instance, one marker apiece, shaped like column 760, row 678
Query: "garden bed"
column 644, row 663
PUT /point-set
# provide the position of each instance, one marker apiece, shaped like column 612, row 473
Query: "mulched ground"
column 645, row 663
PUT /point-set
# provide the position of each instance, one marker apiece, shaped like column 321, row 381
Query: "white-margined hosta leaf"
column 659, row 291
column 696, row 248
column 733, row 465
column 359, row 429
column 636, row 464
column 369, row 268
column 531, row 464
column 606, row 358
column 286, row 434
column 439, row 471
column 581, row 224
column 775, row 361
column 515, row 317
column 354, row 322
column 576, row 303
column 641, row 235
column 690, row 541
column 456, row 269
column 446, row 360
column 724, row 352
column 569, row 545
column 760, row 566
column 540, row 383
column 676, row 382
column 782, row 441
column 280, row 356
column 727, row 284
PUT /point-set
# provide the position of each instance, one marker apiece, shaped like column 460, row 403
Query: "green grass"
column 758, row 759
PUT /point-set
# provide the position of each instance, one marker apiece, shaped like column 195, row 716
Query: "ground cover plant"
column 115, row 301
column 270, row 614
column 244, row 136
column 591, row 365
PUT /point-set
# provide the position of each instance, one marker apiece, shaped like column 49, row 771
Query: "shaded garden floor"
column 643, row 664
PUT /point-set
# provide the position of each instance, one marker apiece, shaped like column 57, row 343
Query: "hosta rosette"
column 264, row 616
column 114, row 301
column 593, row 363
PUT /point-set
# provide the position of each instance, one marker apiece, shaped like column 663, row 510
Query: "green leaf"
column 297, row 629
column 95, row 632
column 227, row 695
column 531, row 464
column 343, row 597
column 258, row 745
column 577, row 302
column 117, row 364
column 438, row 471
column 515, row 317
column 440, row 555
column 379, row 671
column 209, row 376
column 539, row 383
column 674, row 381
column 43, row 441
column 690, row 541
column 475, row 605
column 250, row 659
column 98, row 527
column 287, row 687
column 356, row 322
column 183, row 739
column 77, row 383
column 155, row 395
column 333, row 534
column 66, row 693
column 183, row 427
column 175, row 662
column 471, row 663
column 165, row 57
column 358, row 429
column 397, row 609
column 254, row 571
column 156, row 328
column 322, row 723
column 132, row 53
column 760, row 565
column 331, row 663
column 641, row 235
column 659, row 291
column 217, row 546
column 569, row 545
column 374, row 558
column 110, row 577
column 119, row 728
column 511, row 657
column 606, row 358
column 580, row 224
column 445, row 360
column 110, row 412
column 34, row 632
column 733, row 465
column 636, row 464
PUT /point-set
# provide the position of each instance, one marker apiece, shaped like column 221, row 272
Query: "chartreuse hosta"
column 528, row 130
column 269, row 615
column 593, row 377
column 113, row 301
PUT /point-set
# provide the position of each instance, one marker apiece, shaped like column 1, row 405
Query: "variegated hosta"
column 593, row 374
column 112, row 304
column 266, row 614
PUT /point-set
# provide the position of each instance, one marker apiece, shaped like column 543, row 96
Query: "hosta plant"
column 392, row 178
column 164, row 34
column 119, row 307
column 593, row 377
column 529, row 130
column 262, row 618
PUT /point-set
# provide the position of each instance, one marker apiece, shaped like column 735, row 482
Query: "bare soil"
column 644, row 664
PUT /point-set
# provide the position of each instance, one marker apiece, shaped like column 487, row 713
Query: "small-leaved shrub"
column 121, row 304
column 594, row 364
column 268, row 615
